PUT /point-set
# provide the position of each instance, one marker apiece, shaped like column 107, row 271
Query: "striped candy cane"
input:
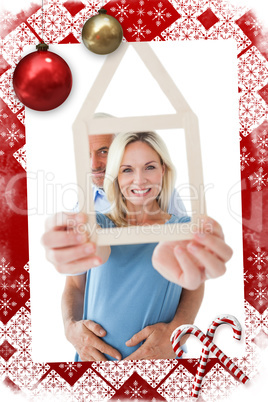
column 193, row 330
column 222, row 319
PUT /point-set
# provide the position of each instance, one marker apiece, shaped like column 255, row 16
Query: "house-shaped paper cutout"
column 86, row 125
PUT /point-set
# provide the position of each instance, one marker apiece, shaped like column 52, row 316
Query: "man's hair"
column 102, row 115
column 116, row 152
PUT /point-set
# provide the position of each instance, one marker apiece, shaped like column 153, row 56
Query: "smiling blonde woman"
column 152, row 144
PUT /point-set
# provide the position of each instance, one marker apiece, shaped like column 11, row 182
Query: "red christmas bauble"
column 42, row 80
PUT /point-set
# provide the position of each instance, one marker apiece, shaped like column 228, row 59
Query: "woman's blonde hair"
column 111, row 187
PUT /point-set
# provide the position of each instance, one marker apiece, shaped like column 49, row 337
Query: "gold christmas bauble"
column 102, row 34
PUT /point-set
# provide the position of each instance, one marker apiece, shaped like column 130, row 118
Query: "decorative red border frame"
column 142, row 20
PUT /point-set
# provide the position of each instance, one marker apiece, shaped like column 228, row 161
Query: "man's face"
column 99, row 146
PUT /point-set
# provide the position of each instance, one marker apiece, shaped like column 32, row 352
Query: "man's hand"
column 67, row 245
column 157, row 343
column 85, row 336
column 190, row 263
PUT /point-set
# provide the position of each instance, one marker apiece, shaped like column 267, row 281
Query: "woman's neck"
column 146, row 214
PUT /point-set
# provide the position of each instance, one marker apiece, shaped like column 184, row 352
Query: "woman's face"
column 140, row 174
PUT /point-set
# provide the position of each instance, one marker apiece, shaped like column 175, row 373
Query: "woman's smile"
column 141, row 192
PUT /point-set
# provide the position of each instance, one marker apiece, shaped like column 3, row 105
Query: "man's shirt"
column 101, row 203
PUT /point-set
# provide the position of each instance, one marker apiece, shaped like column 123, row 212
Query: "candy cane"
column 222, row 319
column 193, row 330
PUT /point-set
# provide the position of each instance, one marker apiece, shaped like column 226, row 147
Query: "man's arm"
column 157, row 343
column 70, row 251
column 83, row 334
column 188, row 307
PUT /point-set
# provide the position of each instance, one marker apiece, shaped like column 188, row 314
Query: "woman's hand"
column 188, row 263
column 67, row 245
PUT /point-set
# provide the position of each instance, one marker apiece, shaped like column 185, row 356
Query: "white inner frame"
column 206, row 73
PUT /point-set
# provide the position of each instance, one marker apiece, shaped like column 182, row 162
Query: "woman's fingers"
column 213, row 265
column 78, row 266
column 63, row 220
column 164, row 261
column 189, row 263
column 63, row 238
column 214, row 244
column 67, row 243
column 192, row 274
column 210, row 250
column 59, row 256
column 176, row 264
column 209, row 225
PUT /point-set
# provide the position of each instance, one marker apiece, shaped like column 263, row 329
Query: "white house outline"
column 184, row 118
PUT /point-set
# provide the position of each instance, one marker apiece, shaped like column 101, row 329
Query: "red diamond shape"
column 71, row 372
column 250, row 26
column 7, row 350
column 255, row 31
column 11, row 385
column 191, row 364
column 261, row 339
column 69, row 39
column 264, row 93
column 208, row 19
column 4, row 66
column 74, row 7
column 137, row 388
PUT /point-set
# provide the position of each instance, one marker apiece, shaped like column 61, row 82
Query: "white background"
column 205, row 73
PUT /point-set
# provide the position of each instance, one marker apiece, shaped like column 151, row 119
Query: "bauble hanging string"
column 102, row 33
column 42, row 80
